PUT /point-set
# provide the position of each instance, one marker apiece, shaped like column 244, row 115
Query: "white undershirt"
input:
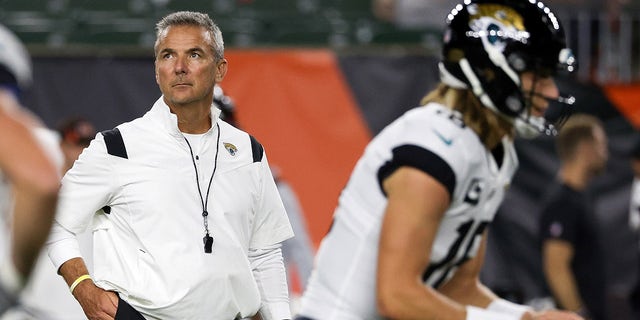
column 195, row 140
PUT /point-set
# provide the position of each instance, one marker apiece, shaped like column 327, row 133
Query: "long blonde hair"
column 489, row 126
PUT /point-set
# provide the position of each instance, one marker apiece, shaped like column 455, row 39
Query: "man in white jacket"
column 186, row 218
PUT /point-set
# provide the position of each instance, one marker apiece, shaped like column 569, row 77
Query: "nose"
column 180, row 66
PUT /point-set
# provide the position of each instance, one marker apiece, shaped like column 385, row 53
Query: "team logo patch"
column 231, row 148
column 495, row 24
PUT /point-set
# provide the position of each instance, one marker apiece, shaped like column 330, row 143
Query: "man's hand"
column 552, row 315
column 97, row 303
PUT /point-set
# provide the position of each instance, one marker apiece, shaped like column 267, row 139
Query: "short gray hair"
column 190, row 18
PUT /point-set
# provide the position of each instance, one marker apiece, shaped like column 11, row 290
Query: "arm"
column 86, row 188
column 268, row 269
column 557, row 255
column 96, row 302
column 65, row 255
column 416, row 205
column 35, row 181
column 465, row 286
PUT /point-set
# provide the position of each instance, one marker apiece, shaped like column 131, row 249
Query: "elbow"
column 41, row 184
column 387, row 306
column 391, row 301
column 43, row 193
column 44, row 190
column 41, row 181
column 48, row 192
column 48, row 187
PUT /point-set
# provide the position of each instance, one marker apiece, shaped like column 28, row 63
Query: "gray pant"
column 6, row 300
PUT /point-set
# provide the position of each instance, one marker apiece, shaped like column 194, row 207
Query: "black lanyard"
column 207, row 239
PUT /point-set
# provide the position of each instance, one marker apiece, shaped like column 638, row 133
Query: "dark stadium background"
column 315, row 80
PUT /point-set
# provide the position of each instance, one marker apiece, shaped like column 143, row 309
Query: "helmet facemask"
column 558, row 109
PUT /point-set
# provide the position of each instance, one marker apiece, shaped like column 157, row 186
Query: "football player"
column 409, row 234
column 33, row 177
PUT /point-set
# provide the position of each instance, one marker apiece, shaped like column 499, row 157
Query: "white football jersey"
column 430, row 138
column 46, row 295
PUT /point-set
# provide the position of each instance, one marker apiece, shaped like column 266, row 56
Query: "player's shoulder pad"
column 256, row 149
column 115, row 144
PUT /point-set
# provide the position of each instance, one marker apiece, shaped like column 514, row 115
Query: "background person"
column 572, row 253
column 298, row 251
column 75, row 135
column 186, row 217
column 634, row 221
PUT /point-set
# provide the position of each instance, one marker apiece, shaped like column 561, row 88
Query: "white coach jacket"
column 145, row 211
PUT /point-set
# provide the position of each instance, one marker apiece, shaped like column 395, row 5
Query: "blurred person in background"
column 30, row 180
column 298, row 251
column 412, row 14
column 408, row 237
column 634, row 221
column 75, row 135
column 186, row 218
column 572, row 254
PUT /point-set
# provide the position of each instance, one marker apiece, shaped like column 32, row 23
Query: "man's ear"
column 221, row 70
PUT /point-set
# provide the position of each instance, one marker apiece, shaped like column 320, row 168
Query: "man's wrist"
column 77, row 281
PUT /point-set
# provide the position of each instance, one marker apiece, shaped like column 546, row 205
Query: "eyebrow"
column 171, row 50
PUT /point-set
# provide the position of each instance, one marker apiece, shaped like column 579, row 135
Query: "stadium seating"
column 64, row 23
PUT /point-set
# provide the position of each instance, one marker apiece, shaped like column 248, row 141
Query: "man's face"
column 186, row 67
column 539, row 87
column 599, row 151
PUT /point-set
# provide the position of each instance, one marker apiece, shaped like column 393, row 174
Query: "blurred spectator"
column 412, row 14
column 75, row 134
column 572, row 254
column 634, row 220
column 226, row 105
column 298, row 251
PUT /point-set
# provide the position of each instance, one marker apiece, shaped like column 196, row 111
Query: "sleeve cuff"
column 275, row 311
column 62, row 246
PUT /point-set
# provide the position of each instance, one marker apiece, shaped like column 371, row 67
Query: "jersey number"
column 449, row 262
